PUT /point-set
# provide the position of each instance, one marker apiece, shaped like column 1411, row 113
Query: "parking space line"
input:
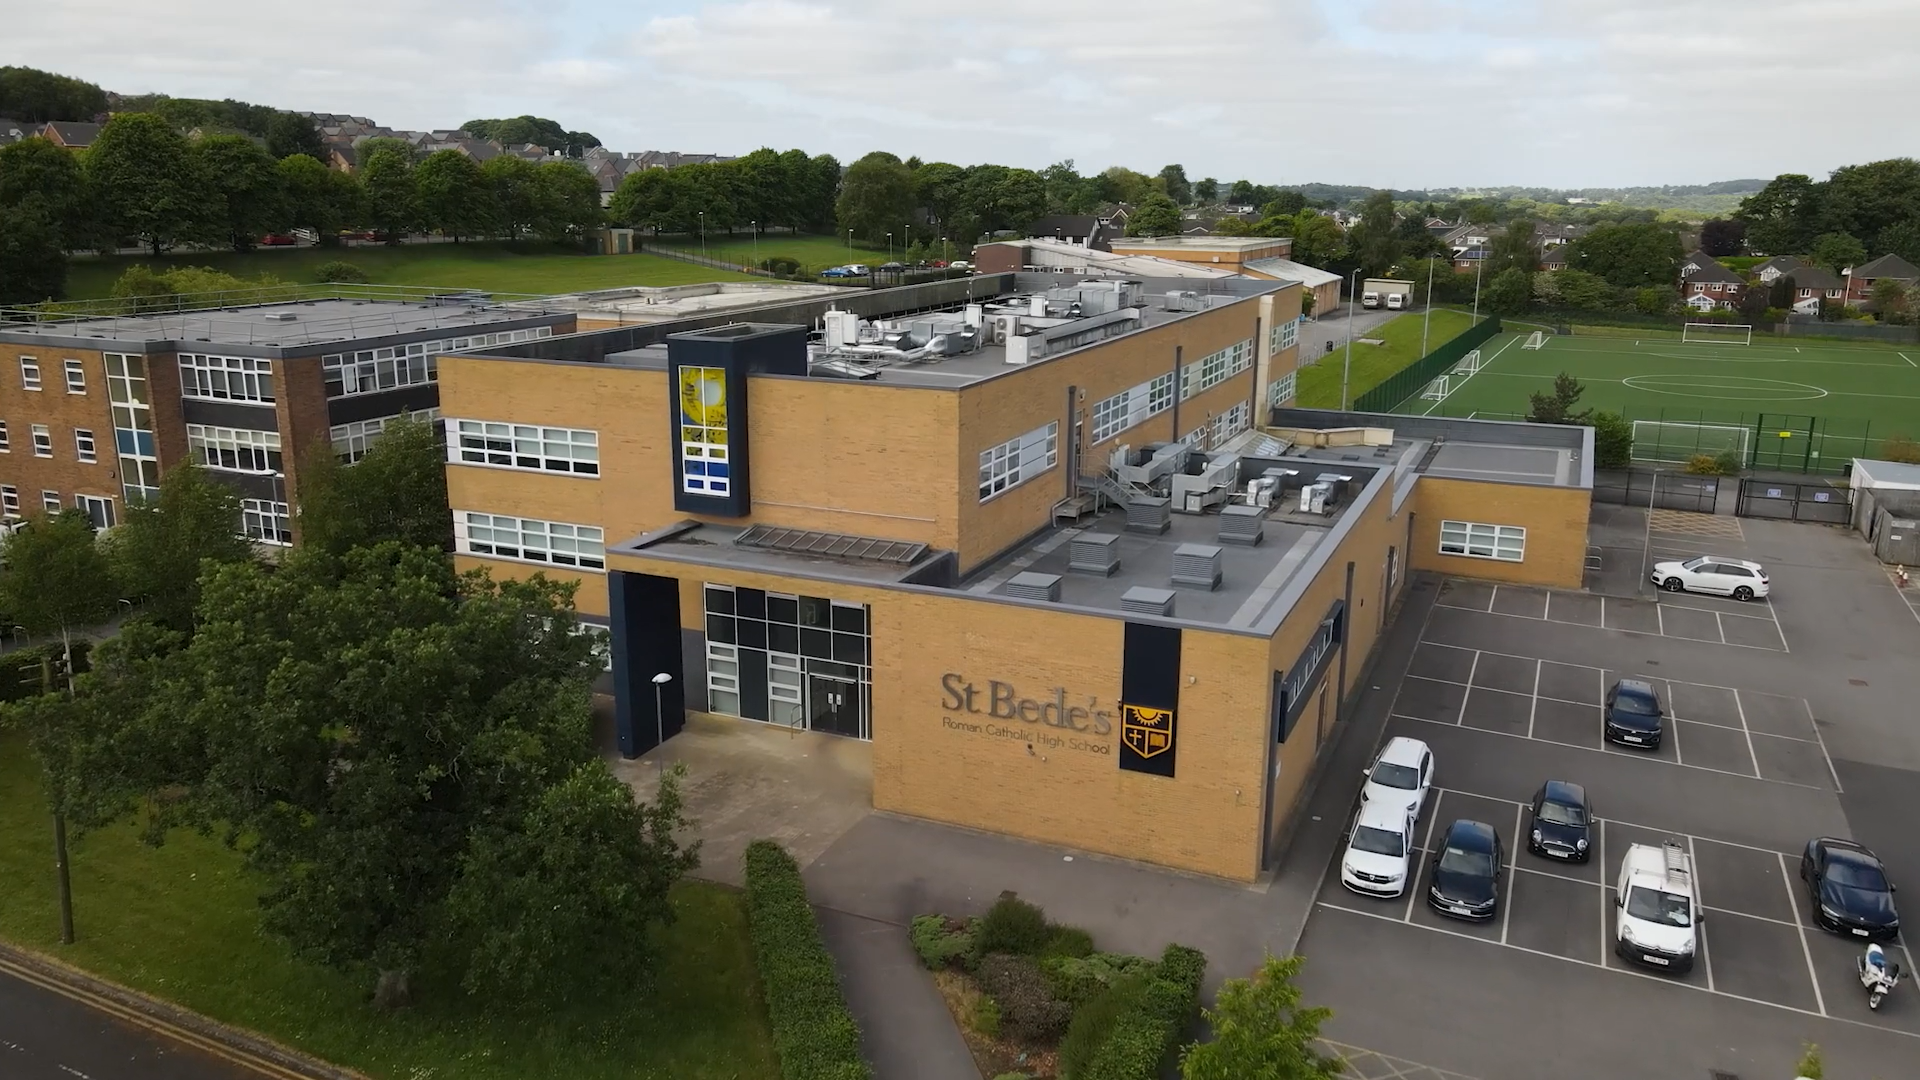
column 1700, row 925
column 1660, row 619
column 1548, row 614
column 1533, row 706
column 1600, row 852
column 1679, row 758
column 1622, row 629
column 1603, row 750
column 1413, row 865
column 1777, row 628
column 1786, row 880
column 1467, row 696
column 1506, row 909
column 1755, row 758
column 1720, row 628
column 1822, row 740
column 1623, row 823
column 1609, row 887
column 1493, row 598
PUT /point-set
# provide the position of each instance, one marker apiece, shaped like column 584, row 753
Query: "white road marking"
column 1513, row 867
column 1534, row 705
column 1787, row 879
column 1493, row 597
column 1466, row 697
column 1610, row 752
column 1622, row 629
column 1700, row 925
column 1907, row 358
column 1749, row 731
column 1413, row 867
column 1821, row 739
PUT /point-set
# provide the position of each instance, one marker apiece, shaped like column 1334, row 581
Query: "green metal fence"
column 1406, row 382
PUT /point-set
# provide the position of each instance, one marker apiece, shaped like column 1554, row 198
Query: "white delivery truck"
column 1390, row 293
column 1657, row 907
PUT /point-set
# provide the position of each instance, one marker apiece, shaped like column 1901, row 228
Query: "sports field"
column 1782, row 404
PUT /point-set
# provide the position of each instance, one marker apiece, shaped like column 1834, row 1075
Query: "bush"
column 20, row 672
column 813, row 1032
column 340, row 271
column 1145, row 1037
column 1725, row 463
column 1029, row 1012
column 940, row 942
column 1612, row 440
column 1078, row 980
column 780, row 264
column 1093, row 1022
column 1067, row 941
column 986, row 1016
column 1012, row 925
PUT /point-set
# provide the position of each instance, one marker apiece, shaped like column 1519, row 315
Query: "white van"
column 1657, row 905
column 1396, row 301
column 1370, row 300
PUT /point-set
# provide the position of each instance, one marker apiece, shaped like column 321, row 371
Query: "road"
column 49, row 1034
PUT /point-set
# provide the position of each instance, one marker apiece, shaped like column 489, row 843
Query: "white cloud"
column 1394, row 92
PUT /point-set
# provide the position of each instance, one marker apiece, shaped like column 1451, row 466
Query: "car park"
column 838, row 272
column 893, row 267
column 1466, row 872
column 1721, row 576
column 1379, row 852
column 857, row 269
column 1400, row 776
column 1632, row 715
column 1849, row 890
column 1657, row 906
column 1560, row 821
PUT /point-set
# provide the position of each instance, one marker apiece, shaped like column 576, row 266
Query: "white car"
column 1716, row 574
column 1379, row 851
column 1400, row 776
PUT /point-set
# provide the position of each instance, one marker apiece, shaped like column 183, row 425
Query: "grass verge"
column 1318, row 387
column 180, row 922
column 495, row 267
column 816, row 253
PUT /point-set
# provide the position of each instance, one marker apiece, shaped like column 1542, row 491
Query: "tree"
column 1374, row 243
column 36, row 96
column 250, row 185
column 1241, row 193
column 1262, row 1032
column 1902, row 238
column 1155, row 216
column 1510, row 291
column 453, row 196
column 160, row 551
column 1890, row 301
column 1285, row 204
column 33, row 259
column 290, row 133
column 36, row 170
column 533, row 129
column 1122, row 185
column 146, row 184
column 567, row 202
column 1723, row 236
column 1653, row 299
column 876, row 196
column 1067, row 191
column 938, row 189
column 318, row 198
column 1781, row 294
column 1174, row 180
column 392, row 205
column 1317, row 241
column 1232, row 225
column 1628, row 255
column 1517, row 247
column 398, row 491
column 1864, row 200
column 1207, row 191
column 1557, row 407
column 1001, row 198
column 1612, row 440
column 1780, row 217
column 1838, row 251
column 643, row 199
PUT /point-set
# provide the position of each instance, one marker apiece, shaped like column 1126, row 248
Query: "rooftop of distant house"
column 1240, row 244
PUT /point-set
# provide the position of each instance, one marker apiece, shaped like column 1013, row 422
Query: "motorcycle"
column 1878, row 976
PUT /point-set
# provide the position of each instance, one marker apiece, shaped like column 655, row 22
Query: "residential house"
column 73, row 136
column 1814, row 284
column 1203, row 221
column 1465, row 237
column 1891, row 267
column 1553, row 236
column 1467, row 260
column 1555, row 257
column 1702, row 278
column 1086, row 230
column 12, row 131
column 1768, row 271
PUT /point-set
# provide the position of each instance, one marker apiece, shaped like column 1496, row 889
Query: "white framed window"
column 351, row 441
column 1018, row 460
column 569, row 451
column 723, row 679
column 558, row 543
column 226, row 378
column 1507, row 543
column 266, row 521
column 1231, row 422
column 1289, row 333
column 1281, row 390
column 83, row 445
column 42, row 441
column 234, row 449
column 6, row 447
column 50, row 501
column 1131, row 406
column 29, row 373
column 370, row 371
column 9, row 501
column 1109, row 416
column 76, row 377
column 1160, row 394
column 98, row 508
column 1215, row 368
column 132, row 426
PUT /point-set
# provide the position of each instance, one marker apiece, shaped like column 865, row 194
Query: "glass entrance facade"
column 801, row 661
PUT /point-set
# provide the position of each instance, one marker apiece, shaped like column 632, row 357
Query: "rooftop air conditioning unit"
column 281, row 316
column 1034, row 586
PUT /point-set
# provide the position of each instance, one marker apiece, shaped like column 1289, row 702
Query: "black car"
column 1466, row 872
column 1632, row 716
column 1849, row 888
column 1562, row 818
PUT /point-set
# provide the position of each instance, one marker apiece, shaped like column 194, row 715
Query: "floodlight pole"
column 1426, row 318
column 755, row 226
column 849, row 246
column 1478, row 264
column 660, row 716
column 703, row 233
column 1346, row 369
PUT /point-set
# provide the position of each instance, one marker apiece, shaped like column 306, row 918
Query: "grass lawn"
column 495, row 267
column 180, row 922
column 813, row 252
column 1318, row 387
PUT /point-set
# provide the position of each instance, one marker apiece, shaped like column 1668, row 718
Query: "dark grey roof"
column 1816, row 277
column 72, row 133
column 1709, row 270
column 1555, row 257
column 1065, row 225
column 1786, row 264
column 1887, row 266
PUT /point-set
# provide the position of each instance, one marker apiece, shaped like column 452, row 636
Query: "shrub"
column 813, row 1032
column 1144, row 1037
column 1703, row 465
column 339, row 270
column 1029, row 1012
column 1612, row 440
column 1078, row 980
column 1067, row 941
column 780, row 264
column 941, row 942
column 986, row 1016
column 1901, row 448
column 1012, row 925
column 1093, row 1022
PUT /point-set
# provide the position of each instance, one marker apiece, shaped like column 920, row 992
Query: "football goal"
column 1676, row 442
column 1535, row 340
column 1469, row 364
column 1437, row 390
column 1723, row 333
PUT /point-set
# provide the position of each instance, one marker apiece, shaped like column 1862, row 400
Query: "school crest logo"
column 1147, row 732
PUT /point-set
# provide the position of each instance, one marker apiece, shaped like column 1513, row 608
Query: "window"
column 1110, row 416
column 369, row 371
column 1283, row 336
column 226, row 378
column 234, row 449
column 1215, row 368
column 706, row 465
column 29, row 373
column 76, row 377
column 352, row 441
column 6, row 447
column 98, row 508
column 132, row 426
column 1507, row 543
column 1230, row 423
column 785, row 644
column 50, row 501
column 523, row 446
column 723, row 678
column 9, row 500
column 1160, row 394
column 1018, row 460
column 83, row 445
column 1131, row 406
column 529, row 540
column 1280, row 390
column 42, row 441
column 266, row 521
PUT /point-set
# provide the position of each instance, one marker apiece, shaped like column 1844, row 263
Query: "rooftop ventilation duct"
column 1141, row 600
column 1094, row 553
column 1034, row 586
column 1198, row 565
column 281, row 316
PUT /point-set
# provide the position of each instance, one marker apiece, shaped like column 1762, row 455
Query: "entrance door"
column 833, row 705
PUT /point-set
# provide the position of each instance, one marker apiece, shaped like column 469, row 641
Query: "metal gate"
column 1787, row 500
column 1653, row 488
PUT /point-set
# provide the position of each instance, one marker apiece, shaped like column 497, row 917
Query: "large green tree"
column 516, row 203
column 1173, row 181
column 1838, row 251
column 1317, row 241
column 147, row 184
column 999, row 198
column 392, row 199
column 252, row 190
column 1374, row 240
column 1261, row 1031
column 57, row 579
column 1629, row 255
column 1781, row 216
column 532, row 129
column 453, row 196
column 876, row 197
column 33, row 256
column 37, row 96
column 160, row 551
column 1510, row 291
column 290, row 133
column 35, row 170
column 398, row 491
column 938, row 189
column 1865, row 200
column 566, row 201
column 1516, row 248
column 318, row 198
column 644, row 200
column 1155, row 216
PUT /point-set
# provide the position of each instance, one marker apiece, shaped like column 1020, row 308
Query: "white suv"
column 1400, row 776
column 1737, row 578
column 1379, row 851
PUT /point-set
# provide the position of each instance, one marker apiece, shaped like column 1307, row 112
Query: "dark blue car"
column 1632, row 715
column 1466, row 872
column 1849, row 889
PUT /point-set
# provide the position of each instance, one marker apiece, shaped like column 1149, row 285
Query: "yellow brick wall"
column 62, row 413
column 1555, row 520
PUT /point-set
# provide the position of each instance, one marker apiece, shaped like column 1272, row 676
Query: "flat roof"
column 314, row 322
column 1199, row 243
column 663, row 303
column 1500, row 451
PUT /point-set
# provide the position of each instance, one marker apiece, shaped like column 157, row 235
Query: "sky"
column 1387, row 93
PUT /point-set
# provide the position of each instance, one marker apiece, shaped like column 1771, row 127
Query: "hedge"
column 813, row 1032
column 1145, row 1038
column 20, row 671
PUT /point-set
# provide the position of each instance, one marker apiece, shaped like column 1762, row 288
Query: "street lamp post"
column 906, row 245
column 1426, row 317
column 945, row 255
column 849, row 247
column 1481, row 262
column 1346, row 369
column 703, row 232
column 889, row 247
column 755, row 226
column 660, row 714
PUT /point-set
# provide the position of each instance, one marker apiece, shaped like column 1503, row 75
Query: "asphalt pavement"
column 46, row 1034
